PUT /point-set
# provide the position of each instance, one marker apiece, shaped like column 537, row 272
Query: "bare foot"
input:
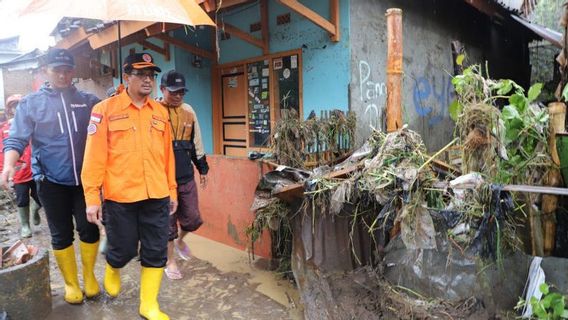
column 182, row 249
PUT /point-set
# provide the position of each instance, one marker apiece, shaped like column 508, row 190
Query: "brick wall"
column 18, row 81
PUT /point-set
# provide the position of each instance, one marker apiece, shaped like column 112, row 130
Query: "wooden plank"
column 310, row 15
column 265, row 26
column 168, row 53
column 512, row 188
column 296, row 190
column 334, row 17
column 270, row 57
column 225, row 4
column 216, row 96
column 216, row 99
column 234, row 131
column 74, row 39
column 149, row 45
column 232, row 30
column 179, row 43
column 209, row 5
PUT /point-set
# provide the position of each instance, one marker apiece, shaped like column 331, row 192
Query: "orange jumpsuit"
column 129, row 152
column 129, row 157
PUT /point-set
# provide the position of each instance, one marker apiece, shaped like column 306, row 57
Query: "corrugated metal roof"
column 545, row 33
column 520, row 7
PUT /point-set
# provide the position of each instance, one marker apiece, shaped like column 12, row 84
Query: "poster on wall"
column 258, row 103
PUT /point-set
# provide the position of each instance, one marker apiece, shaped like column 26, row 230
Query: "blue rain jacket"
column 55, row 122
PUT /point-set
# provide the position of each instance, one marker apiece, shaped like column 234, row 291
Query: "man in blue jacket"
column 55, row 121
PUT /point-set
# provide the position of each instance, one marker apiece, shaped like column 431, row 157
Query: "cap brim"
column 59, row 64
column 176, row 88
column 153, row 67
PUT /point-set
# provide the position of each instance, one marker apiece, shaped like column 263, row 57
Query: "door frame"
column 217, row 92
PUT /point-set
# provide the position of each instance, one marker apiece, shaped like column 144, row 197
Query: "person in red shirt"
column 24, row 186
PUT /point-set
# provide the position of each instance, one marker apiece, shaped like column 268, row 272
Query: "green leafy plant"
column 565, row 93
column 518, row 133
column 551, row 306
column 525, row 138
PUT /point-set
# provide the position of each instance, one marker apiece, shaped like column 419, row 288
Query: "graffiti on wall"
column 432, row 96
column 370, row 92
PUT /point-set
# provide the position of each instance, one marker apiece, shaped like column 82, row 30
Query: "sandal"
column 173, row 275
column 184, row 252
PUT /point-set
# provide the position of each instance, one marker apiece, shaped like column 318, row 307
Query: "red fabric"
column 24, row 165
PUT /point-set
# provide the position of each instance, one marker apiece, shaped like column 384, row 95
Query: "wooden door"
column 234, row 113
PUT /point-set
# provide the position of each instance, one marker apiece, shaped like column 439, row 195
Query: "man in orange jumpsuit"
column 129, row 157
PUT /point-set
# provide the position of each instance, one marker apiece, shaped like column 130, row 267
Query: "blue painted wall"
column 198, row 80
column 326, row 65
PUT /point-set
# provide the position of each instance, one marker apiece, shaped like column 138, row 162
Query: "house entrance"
column 254, row 93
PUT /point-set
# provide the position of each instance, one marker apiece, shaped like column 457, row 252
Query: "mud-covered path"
column 219, row 283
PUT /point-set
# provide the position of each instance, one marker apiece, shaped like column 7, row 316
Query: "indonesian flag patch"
column 95, row 117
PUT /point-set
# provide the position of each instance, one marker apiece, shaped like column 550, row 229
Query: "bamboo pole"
column 394, row 69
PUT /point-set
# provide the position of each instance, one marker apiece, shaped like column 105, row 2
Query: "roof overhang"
column 549, row 35
column 110, row 34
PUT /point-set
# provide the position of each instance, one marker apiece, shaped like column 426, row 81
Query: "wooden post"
column 394, row 69
column 557, row 112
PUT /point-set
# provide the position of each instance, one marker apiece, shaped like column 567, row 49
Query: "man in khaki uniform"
column 188, row 151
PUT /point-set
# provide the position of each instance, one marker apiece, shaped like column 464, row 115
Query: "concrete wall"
column 429, row 26
column 225, row 204
column 326, row 66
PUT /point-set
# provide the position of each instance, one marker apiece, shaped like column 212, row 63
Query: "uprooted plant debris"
column 391, row 189
column 295, row 141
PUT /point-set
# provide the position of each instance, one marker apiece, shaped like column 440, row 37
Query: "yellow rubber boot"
column 150, row 280
column 89, row 253
column 112, row 281
column 66, row 261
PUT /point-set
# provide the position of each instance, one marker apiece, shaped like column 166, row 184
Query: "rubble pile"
column 18, row 253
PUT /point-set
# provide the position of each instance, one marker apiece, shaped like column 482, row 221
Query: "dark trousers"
column 127, row 224
column 23, row 192
column 61, row 204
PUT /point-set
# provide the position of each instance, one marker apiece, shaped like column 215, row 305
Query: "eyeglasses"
column 179, row 93
column 143, row 75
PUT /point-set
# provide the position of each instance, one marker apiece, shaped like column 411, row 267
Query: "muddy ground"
column 206, row 292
